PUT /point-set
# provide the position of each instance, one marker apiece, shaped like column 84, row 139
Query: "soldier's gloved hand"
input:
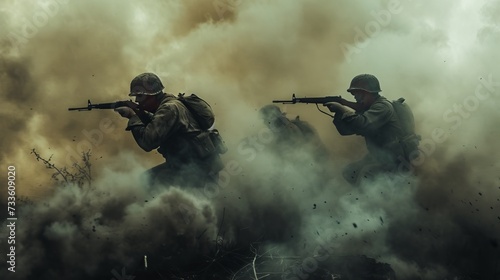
column 125, row 112
column 334, row 107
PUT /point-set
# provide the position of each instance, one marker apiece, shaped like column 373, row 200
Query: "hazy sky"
column 442, row 56
column 240, row 56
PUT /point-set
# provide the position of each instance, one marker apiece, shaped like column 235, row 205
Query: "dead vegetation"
column 79, row 174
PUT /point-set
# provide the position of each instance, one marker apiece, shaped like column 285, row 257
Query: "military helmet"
column 365, row 82
column 146, row 84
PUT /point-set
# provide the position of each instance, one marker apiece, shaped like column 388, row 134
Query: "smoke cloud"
column 274, row 198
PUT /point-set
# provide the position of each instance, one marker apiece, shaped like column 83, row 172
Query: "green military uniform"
column 380, row 126
column 175, row 133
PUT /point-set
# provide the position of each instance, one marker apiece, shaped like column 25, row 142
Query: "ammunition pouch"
column 217, row 141
column 207, row 143
column 203, row 145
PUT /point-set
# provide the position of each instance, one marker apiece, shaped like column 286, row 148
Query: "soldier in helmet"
column 373, row 117
column 162, row 122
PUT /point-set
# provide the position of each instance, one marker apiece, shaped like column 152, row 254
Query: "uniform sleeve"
column 163, row 125
column 366, row 122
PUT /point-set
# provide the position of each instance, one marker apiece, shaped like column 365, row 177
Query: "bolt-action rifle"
column 312, row 100
column 320, row 100
column 143, row 115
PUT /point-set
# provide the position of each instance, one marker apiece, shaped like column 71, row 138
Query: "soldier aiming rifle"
column 388, row 127
column 180, row 128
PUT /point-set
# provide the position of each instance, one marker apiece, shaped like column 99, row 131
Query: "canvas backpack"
column 200, row 109
column 209, row 140
column 409, row 139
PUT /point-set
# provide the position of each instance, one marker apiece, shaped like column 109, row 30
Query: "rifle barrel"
column 284, row 101
column 91, row 106
column 88, row 108
column 80, row 109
